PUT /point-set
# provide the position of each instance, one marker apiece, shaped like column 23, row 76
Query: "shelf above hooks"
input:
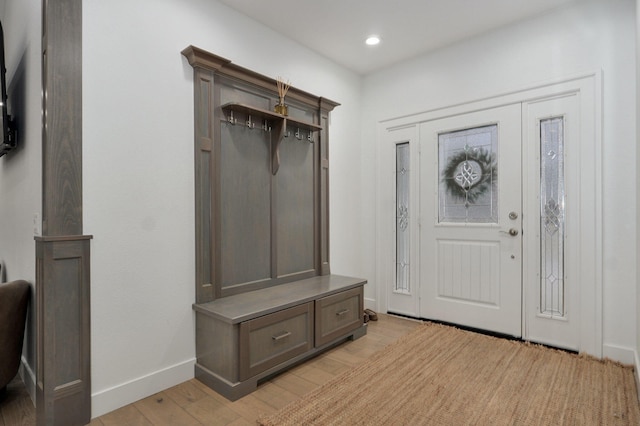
column 270, row 120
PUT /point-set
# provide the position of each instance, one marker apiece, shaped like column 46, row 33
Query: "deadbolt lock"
column 513, row 215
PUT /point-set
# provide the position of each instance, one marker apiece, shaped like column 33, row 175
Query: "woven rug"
column 440, row 375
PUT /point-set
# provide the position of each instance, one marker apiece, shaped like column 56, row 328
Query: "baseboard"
column 619, row 353
column 28, row 378
column 113, row 398
column 370, row 303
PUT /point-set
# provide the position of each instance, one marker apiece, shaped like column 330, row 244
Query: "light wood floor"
column 192, row 403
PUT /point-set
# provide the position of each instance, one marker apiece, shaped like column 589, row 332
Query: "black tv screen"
column 8, row 137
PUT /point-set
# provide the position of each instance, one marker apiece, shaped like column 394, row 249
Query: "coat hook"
column 250, row 124
column 310, row 137
column 298, row 136
column 265, row 126
column 232, row 119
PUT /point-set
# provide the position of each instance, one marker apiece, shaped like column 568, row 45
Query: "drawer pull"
column 281, row 335
column 342, row 312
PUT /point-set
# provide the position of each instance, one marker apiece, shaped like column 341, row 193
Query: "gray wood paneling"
column 63, row 391
column 326, row 106
column 274, row 328
column 217, row 346
column 338, row 314
column 272, row 339
column 295, row 207
column 247, row 306
column 63, row 352
column 62, row 130
column 262, row 229
column 245, row 205
column 204, row 177
column 254, row 230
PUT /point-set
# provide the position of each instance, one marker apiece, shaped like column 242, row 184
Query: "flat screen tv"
column 8, row 141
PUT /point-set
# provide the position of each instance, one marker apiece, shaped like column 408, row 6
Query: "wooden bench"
column 243, row 339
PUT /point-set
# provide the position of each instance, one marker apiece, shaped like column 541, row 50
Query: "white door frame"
column 587, row 87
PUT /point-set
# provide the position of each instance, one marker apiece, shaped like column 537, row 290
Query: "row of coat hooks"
column 267, row 127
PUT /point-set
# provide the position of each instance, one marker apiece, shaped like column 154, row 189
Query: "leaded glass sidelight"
column 552, row 216
column 402, row 217
column 468, row 190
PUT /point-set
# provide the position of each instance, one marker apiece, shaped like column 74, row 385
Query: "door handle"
column 513, row 232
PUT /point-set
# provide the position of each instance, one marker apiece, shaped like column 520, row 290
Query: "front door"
column 490, row 215
column 471, row 220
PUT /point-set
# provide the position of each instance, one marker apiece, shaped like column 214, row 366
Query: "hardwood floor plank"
column 185, row 393
column 294, row 383
column 330, row 365
column 274, row 395
column 159, row 409
column 251, row 408
column 127, row 415
column 208, row 411
column 312, row 373
column 242, row 422
column 346, row 358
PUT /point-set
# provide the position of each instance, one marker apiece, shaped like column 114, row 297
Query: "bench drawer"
column 338, row 314
column 272, row 339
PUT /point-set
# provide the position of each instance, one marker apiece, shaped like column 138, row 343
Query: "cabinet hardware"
column 281, row 335
column 342, row 312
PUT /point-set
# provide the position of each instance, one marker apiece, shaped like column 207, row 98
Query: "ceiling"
column 337, row 29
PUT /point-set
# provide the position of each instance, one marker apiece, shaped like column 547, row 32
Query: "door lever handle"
column 513, row 232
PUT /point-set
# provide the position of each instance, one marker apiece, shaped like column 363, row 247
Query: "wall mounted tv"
column 8, row 141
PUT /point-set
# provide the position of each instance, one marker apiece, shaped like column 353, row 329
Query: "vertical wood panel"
column 62, row 125
column 67, row 319
column 245, row 205
column 63, row 391
column 295, row 208
column 205, row 231
column 326, row 106
column 63, row 383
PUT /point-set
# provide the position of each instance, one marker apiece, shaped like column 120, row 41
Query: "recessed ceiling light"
column 372, row 40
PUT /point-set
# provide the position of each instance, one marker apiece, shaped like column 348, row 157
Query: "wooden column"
column 63, row 369
column 325, row 106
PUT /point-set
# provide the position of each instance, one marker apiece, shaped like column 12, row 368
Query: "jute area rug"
column 440, row 375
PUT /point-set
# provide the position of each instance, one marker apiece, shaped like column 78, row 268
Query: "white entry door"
column 471, row 220
column 490, row 215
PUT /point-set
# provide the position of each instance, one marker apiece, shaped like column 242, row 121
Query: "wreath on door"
column 470, row 174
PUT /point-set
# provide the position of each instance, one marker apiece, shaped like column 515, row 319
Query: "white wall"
column 21, row 170
column 138, row 176
column 583, row 38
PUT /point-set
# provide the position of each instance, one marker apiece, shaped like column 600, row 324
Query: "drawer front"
column 338, row 314
column 269, row 340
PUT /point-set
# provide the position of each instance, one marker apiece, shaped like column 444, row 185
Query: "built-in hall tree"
column 265, row 297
